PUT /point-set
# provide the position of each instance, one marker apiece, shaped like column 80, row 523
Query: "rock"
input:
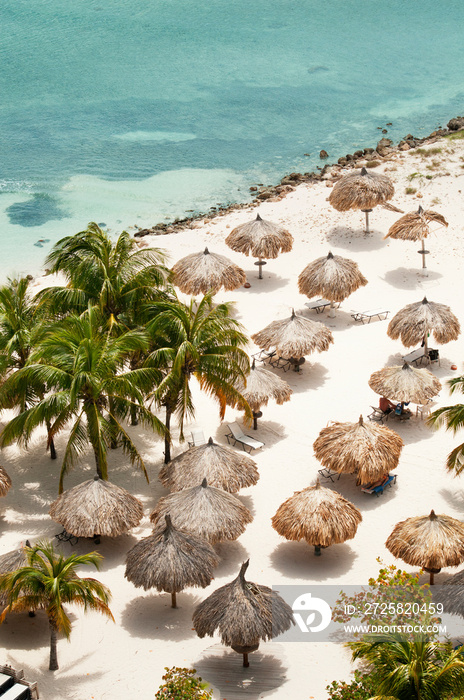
column 143, row 232
column 253, row 189
column 329, row 183
column 342, row 161
column 265, row 194
column 358, row 154
column 323, row 154
column 456, row 124
column 384, row 147
column 368, row 151
column 384, row 131
column 405, row 147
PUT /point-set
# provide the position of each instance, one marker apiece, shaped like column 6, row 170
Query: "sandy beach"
column 126, row 659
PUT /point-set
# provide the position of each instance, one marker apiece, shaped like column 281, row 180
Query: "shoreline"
column 330, row 172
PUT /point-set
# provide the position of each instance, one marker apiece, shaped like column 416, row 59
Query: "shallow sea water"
column 134, row 113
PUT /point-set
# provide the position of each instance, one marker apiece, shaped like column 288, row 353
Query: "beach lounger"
column 319, row 305
column 280, row 363
column 329, row 474
column 65, row 536
column 198, row 438
column 414, row 357
column 264, row 355
column 378, row 415
column 237, row 435
column 367, row 316
column 379, row 489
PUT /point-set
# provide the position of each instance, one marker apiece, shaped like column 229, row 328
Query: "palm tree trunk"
column 133, row 415
column 167, row 436
column 114, row 442
column 52, row 449
column 53, row 666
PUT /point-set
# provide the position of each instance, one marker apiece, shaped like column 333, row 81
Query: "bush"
column 182, row 684
column 361, row 688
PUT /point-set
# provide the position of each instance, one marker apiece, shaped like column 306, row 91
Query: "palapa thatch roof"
column 171, row 560
column 199, row 273
column 361, row 189
column 294, row 337
column 415, row 321
column 205, row 511
column 262, row 385
column 243, row 613
column 367, row 449
column 318, row 515
column 10, row 562
column 5, row 482
column 405, row 383
column 429, row 541
column 97, row 507
column 222, row 466
column 331, row 277
column 414, row 226
column 451, row 594
column 260, row 238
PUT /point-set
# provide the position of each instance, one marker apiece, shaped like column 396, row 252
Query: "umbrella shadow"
column 409, row 277
column 297, row 560
column 454, row 498
column 112, row 549
column 152, row 617
column 272, row 435
column 311, row 376
column 19, row 631
column 223, row 669
column 355, row 239
column 247, row 501
column 231, row 555
column 347, row 487
column 270, row 282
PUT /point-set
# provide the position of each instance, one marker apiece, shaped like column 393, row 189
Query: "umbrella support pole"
column 256, row 415
column 317, row 550
column 173, row 600
column 260, row 264
column 424, row 252
column 367, row 211
column 332, row 310
column 245, row 661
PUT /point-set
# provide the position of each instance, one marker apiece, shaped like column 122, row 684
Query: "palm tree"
column 412, row 670
column 452, row 417
column 115, row 276
column 199, row 340
column 47, row 582
column 89, row 388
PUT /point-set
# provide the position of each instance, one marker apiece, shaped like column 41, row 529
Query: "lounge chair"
column 237, row 435
column 378, row 415
column 379, row 489
column 65, row 536
column 329, row 474
column 198, row 438
column 367, row 316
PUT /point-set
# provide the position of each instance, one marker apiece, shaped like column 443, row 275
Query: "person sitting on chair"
column 386, row 405
column 380, row 482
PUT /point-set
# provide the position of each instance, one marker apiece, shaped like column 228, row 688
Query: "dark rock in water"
column 318, row 69
column 456, row 124
column 384, row 147
column 384, row 131
column 37, row 211
column 323, row 154
column 358, row 154
column 38, row 244
column 342, row 161
column 389, row 124
column 102, row 224
column 366, row 151
column 253, row 189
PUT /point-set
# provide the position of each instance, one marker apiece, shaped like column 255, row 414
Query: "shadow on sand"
column 410, row 278
column 297, row 560
column 355, row 240
column 152, row 617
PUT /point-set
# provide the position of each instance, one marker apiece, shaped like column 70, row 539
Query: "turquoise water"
column 134, row 113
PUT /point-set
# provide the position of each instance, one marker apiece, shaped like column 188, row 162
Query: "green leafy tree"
column 195, row 340
column 412, row 670
column 116, row 276
column 182, row 684
column 48, row 582
column 452, row 418
column 90, row 389
column 362, row 687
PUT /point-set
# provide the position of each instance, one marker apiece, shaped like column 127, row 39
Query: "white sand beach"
column 126, row 659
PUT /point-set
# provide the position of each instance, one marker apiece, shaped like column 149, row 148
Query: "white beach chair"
column 237, row 435
column 198, row 438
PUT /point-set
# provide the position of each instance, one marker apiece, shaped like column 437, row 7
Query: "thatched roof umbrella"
column 429, row 541
column 261, row 239
column 205, row 511
column 451, row 594
column 222, row 466
column 318, row 515
column 244, row 613
column 361, row 189
column 97, row 507
column 10, row 562
column 262, row 385
column 171, row 560
column 367, row 449
column 414, row 226
column 414, row 323
column 405, row 383
column 201, row 272
column 332, row 277
column 5, row 482
column 294, row 337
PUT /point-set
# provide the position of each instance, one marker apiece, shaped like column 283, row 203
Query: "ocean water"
column 133, row 113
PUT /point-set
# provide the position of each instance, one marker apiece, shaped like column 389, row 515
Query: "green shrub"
column 410, row 190
column 182, row 684
column 361, row 688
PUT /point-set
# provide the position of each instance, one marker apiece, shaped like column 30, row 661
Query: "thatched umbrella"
column 171, row 560
column 332, row 277
column 205, row 511
column 451, row 594
column 11, row 561
column 361, row 189
column 367, row 449
column 414, row 323
column 294, row 337
column 5, row 482
column 261, row 239
column 97, row 507
column 415, row 227
column 222, row 466
column 244, row 613
column 405, row 383
column 318, row 515
column 201, row 272
column 429, row 541
column 262, row 385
